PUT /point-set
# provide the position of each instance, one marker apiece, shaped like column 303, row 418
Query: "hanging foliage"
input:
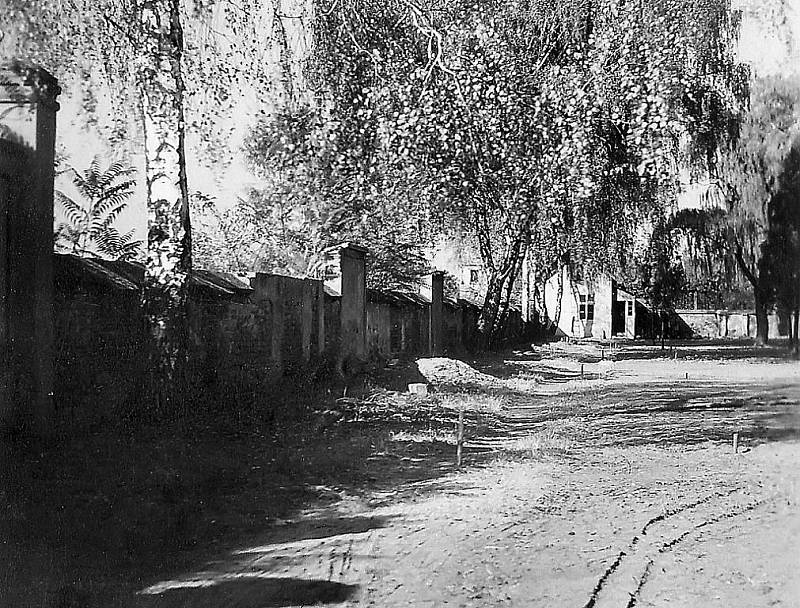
column 140, row 50
column 546, row 128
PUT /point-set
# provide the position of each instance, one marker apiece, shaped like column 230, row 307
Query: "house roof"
column 219, row 282
column 129, row 276
column 69, row 269
column 625, row 295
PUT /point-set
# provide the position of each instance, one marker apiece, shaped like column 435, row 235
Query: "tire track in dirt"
column 659, row 535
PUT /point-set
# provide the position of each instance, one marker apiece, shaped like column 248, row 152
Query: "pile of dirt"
column 451, row 374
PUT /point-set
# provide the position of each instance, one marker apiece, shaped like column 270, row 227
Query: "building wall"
column 458, row 257
column 564, row 313
column 27, row 148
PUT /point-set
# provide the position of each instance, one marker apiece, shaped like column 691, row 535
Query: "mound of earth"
column 445, row 373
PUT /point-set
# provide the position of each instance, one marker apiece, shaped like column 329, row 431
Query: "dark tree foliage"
column 313, row 198
column 756, row 187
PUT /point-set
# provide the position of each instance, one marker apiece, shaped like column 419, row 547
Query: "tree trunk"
column 494, row 315
column 762, row 319
column 169, row 231
column 488, row 320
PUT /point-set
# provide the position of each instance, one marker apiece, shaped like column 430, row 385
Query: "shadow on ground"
column 93, row 518
column 252, row 591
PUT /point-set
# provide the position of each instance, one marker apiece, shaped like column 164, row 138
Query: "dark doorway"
column 617, row 317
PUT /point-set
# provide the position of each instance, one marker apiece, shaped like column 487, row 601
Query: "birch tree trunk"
column 161, row 88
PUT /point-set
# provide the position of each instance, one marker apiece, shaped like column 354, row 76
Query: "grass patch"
column 492, row 403
column 550, row 441
column 424, row 436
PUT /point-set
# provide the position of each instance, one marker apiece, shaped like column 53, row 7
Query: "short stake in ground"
column 460, row 437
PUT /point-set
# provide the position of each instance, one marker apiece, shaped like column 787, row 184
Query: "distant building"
column 458, row 256
column 597, row 308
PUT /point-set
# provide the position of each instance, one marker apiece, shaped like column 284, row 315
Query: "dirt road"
column 611, row 483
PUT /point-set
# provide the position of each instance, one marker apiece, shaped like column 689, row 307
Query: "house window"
column 473, row 276
column 586, row 307
column 630, row 308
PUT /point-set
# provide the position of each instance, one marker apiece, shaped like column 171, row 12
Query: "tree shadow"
column 725, row 350
column 324, row 527
column 133, row 509
column 248, row 590
column 544, row 371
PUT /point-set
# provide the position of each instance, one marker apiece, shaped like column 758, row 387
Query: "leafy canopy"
column 553, row 130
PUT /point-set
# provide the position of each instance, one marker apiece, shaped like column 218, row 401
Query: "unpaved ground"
column 612, row 483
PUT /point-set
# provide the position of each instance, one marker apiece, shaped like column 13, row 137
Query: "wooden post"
column 581, row 371
column 460, row 437
column 736, row 443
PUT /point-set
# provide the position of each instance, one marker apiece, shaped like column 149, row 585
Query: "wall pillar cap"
column 23, row 84
column 352, row 247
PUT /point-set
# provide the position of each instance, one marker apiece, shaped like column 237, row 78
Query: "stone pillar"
column 320, row 317
column 435, row 318
column 27, row 156
column 308, row 299
column 352, row 263
column 268, row 292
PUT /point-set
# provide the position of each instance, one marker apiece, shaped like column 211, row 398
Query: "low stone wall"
column 728, row 323
column 243, row 338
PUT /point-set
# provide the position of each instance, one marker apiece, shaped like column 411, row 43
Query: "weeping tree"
column 783, row 240
column 754, row 185
column 550, row 130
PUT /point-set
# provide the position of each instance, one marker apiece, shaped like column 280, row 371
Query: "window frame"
column 586, row 307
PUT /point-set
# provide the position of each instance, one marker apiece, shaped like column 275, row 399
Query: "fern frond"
column 74, row 212
column 103, row 222
column 109, row 200
column 115, row 171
